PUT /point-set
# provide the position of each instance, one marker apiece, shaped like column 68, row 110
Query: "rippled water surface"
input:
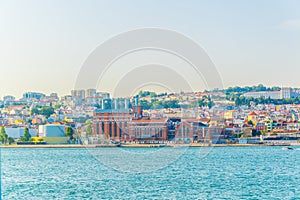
column 224, row 173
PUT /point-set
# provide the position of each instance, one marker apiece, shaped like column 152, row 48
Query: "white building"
column 52, row 130
column 284, row 93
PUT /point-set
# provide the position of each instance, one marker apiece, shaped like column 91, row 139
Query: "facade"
column 149, row 129
column 284, row 93
column 116, row 121
column 265, row 94
column 80, row 94
column 18, row 132
column 124, row 124
column 8, row 98
column 112, row 120
column 192, row 130
column 91, row 92
column 112, row 124
column 52, row 130
column 33, row 95
column 127, row 125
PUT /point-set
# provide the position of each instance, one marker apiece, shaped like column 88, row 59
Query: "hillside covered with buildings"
column 235, row 115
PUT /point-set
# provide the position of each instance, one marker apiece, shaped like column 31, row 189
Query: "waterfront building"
column 112, row 123
column 52, row 130
column 116, row 121
column 189, row 130
column 53, row 133
column 18, row 132
column 125, row 124
column 148, row 129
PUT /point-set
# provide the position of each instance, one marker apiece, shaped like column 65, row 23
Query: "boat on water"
column 287, row 148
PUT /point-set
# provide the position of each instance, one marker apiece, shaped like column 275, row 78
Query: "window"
column 110, row 129
column 115, row 129
column 120, row 129
column 102, row 127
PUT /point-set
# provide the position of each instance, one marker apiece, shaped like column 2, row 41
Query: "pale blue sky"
column 44, row 43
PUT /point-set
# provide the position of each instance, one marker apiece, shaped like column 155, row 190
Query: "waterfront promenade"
column 194, row 145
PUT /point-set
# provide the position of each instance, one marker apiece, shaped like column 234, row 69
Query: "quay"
column 136, row 145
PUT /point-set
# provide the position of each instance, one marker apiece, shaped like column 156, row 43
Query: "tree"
column 10, row 140
column 57, row 106
column 171, row 104
column 1, row 139
column 88, row 128
column 157, row 105
column 69, row 132
column 3, row 135
column 34, row 111
column 145, row 104
column 47, row 111
column 26, row 137
column 2, row 130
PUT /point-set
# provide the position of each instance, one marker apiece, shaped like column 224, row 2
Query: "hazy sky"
column 43, row 44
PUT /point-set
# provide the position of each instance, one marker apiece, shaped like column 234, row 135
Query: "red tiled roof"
column 253, row 113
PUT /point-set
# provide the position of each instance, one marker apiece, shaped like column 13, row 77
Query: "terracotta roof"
column 148, row 120
column 253, row 113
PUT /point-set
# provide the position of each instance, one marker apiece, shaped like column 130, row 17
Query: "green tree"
column 47, row 111
column 88, row 124
column 157, row 105
column 2, row 131
column 69, row 132
column 57, row 106
column 10, row 140
column 3, row 135
column 153, row 94
column 145, row 104
column 26, row 137
column 34, row 111
column 1, row 139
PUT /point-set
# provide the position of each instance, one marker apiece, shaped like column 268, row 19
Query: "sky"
column 43, row 44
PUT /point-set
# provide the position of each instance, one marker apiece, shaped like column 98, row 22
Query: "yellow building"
column 230, row 114
column 253, row 117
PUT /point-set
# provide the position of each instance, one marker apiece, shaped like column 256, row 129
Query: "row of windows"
column 183, row 131
column 139, row 132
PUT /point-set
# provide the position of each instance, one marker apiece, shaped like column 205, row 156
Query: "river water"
column 172, row 173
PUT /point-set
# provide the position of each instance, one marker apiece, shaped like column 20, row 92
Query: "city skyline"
column 272, row 91
column 43, row 46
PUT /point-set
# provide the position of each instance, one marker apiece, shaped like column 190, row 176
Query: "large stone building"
column 131, row 124
column 125, row 124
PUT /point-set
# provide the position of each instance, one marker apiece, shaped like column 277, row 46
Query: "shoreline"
column 193, row 145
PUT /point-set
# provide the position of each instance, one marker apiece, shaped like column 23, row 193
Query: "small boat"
column 287, row 148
